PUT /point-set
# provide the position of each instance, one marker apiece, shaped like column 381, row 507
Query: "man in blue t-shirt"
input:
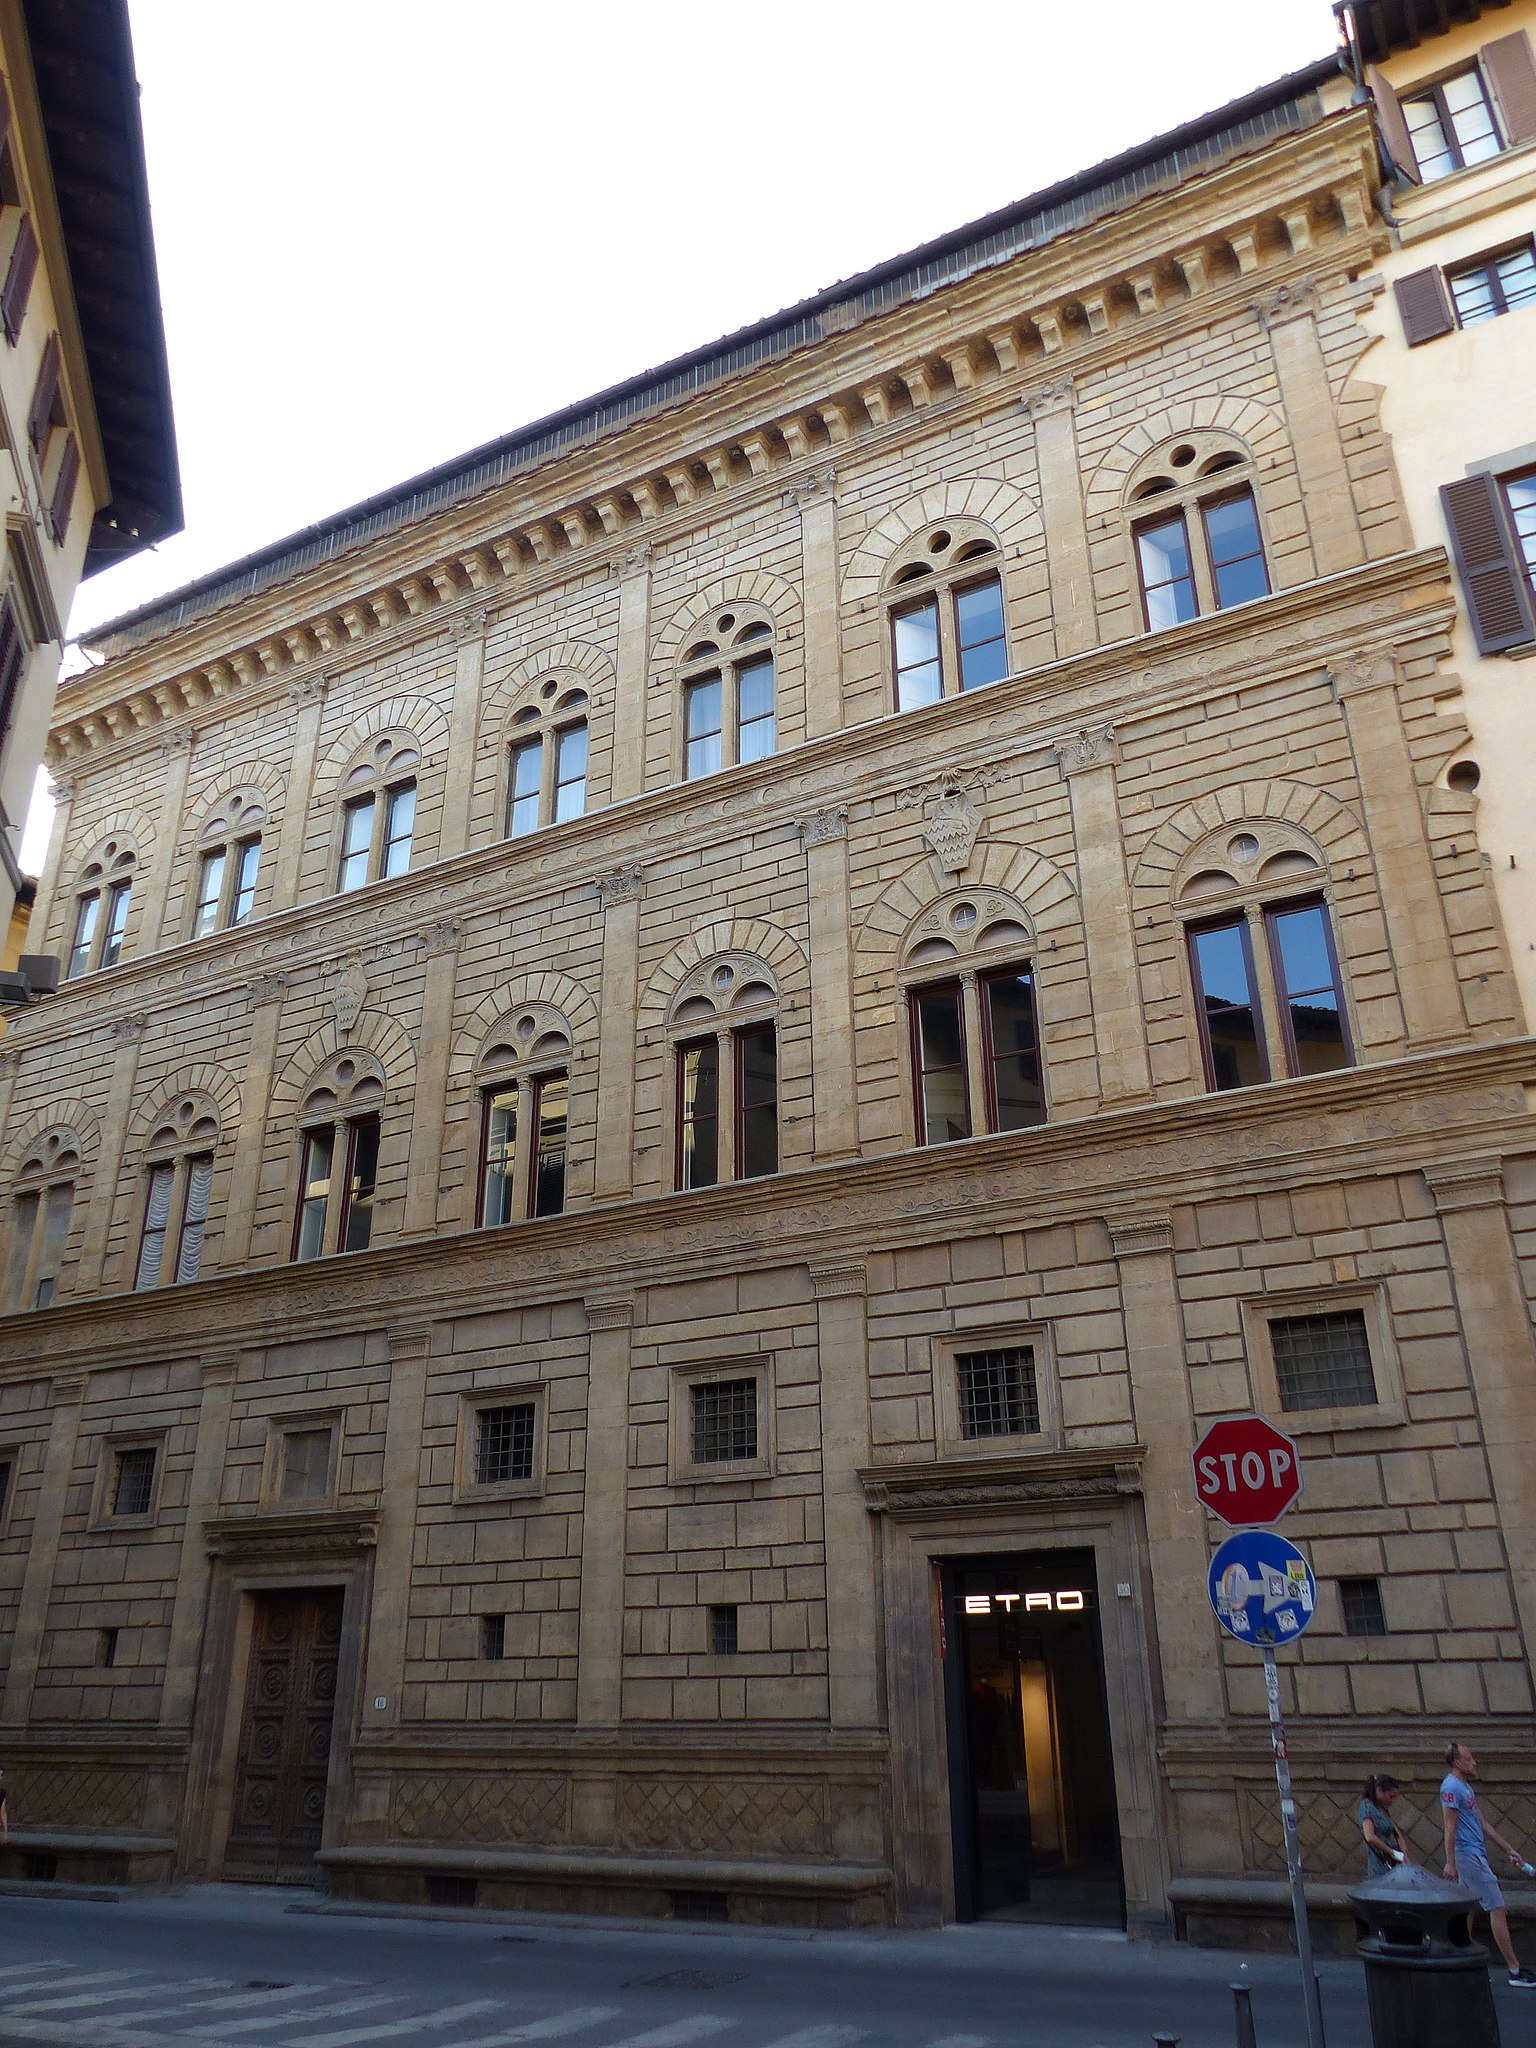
column 1466, row 1855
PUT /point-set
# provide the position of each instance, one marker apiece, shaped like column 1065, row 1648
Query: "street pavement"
column 237, row 1965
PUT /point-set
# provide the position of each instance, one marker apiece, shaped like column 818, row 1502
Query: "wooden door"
column 285, row 1737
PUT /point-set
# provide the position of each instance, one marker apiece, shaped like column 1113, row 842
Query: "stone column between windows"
column 1178, row 1553
column 183, row 1655
column 467, row 632
column 1312, row 417
column 127, row 1033
column 10, row 1061
column 48, row 882
column 1114, row 987
column 434, row 1043
column 816, row 497
column 605, row 1488
column 307, row 700
column 176, row 755
column 66, row 1397
column 410, row 1350
column 824, row 835
column 853, row 1679
column 1053, row 410
column 629, row 690
column 1496, row 1330
column 613, row 1169
column 1411, row 901
column 266, row 994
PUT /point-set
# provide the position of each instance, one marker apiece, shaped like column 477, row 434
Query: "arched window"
column 40, row 1211
column 547, row 761
column 525, row 1100
column 1195, row 527
column 724, row 1031
column 1264, row 973
column 728, row 702
column 101, row 909
column 229, row 856
column 944, row 596
column 339, row 1157
column 178, row 1183
column 973, row 1021
column 378, row 812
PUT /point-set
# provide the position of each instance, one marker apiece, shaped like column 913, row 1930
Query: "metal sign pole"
column 1312, row 2003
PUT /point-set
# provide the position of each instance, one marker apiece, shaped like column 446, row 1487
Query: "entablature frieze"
column 1195, row 250
column 938, row 1487
column 1064, row 708
column 313, row 1536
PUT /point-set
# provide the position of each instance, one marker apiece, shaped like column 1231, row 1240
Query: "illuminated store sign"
column 1032, row 1603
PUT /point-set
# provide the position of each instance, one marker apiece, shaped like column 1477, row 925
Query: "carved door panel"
column 285, row 1737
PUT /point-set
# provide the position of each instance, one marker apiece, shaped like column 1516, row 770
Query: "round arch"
column 1312, row 813
column 749, row 938
column 1257, row 427
column 1002, row 508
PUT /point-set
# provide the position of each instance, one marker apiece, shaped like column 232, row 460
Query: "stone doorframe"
column 947, row 1509
column 270, row 1553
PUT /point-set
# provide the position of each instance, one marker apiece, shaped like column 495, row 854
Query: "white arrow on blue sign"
column 1261, row 1588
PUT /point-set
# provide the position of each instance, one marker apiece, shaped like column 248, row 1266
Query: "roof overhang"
column 1387, row 25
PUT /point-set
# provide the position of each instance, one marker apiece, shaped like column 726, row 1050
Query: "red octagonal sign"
column 1246, row 1472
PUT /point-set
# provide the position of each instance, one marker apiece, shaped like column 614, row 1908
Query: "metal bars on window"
column 999, row 1394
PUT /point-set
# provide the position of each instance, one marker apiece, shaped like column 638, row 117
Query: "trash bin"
column 1425, row 1977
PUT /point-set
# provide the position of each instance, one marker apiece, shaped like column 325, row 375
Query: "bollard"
column 1426, row 1980
column 1242, row 1999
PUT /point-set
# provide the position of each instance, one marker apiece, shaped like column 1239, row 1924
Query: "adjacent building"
column 732, row 1021
column 87, row 450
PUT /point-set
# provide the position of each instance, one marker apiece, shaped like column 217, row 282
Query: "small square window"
column 493, row 1637
column 1323, row 1361
column 724, row 1421
column 504, row 1444
column 133, row 1480
column 106, row 1649
column 306, row 1474
column 723, row 1641
column 1360, row 1601
column 998, row 1392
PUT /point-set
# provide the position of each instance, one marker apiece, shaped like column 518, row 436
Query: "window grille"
column 504, row 1446
column 134, row 1481
column 724, row 1421
column 1364, row 1614
column 998, row 1392
column 1323, row 1361
column 722, row 1631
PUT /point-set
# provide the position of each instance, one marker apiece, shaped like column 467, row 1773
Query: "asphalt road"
column 236, row 1966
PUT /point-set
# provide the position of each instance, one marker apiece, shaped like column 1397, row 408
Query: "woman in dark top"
column 1383, row 1844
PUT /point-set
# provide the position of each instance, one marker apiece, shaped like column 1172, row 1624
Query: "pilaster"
column 600, row 1637
column 1307, row 400
column 63, row 788
column 1053, row 409
column 1120, row 1031
column 634, row 573
column 66, row 1397
column 853, row 1680
column 619, row 896
column 307, row 701
column 433, row 1044
column 816, row 497
column 410, row 1348
column 127, row 1034
column 468, row 634
column 824, row 836
column 184, row 1651
column 266, row 994
column 176, row 759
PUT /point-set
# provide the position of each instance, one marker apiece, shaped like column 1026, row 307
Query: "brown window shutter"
column 1424, row 306
column 19, row 273
column 1395, row 139
column 1492, row 574
column 1512, row 72
column 64, row 492
column 46, row 391
column 13, row 654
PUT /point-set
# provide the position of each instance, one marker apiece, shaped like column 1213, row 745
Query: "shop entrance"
column 1032, row 1793
column 285, row 1736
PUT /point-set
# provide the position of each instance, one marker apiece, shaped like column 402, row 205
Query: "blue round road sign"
column 1262, row 1588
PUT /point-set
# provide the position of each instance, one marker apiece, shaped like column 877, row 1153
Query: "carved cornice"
column 1086, row 750
column 315, row 1536
column 61, row 788
column 1475, row 1183
column 445, row 935
column 1296, row 299
column 10, row 1060
column 635, row 561
column 814, row 488
column 1365, row 668
column 975, row 1486
column 833, row 1279
column 609, row 1311
column 68, row 1388
column 1136, row 1237
column 410, row 1340
column 467, row 626
column 128, row 1030
column 266, row 988
column 1060, row 395
column 823, row 826
column 624, row 885
column 220, row 1372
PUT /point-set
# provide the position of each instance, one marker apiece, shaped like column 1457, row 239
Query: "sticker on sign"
column 1246, row 1472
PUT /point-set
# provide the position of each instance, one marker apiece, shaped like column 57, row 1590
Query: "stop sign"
column 1246, row 1472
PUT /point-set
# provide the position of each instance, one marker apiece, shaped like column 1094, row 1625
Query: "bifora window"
column 228, row 862
column 1247, row 1038
column 378, row 813
column 338, row 1158
column 999, row 1394
column 946, row 614
column 547, row 762
column 729, row 713
column 40, row 1218
column 1452, row 125
column 525, row 1107
column 177, row 1190
column 1199, row 546
column 724, row 1420
column 1323, row 1361
column 979, row 1028
column 726, row 1054
column 101, row 911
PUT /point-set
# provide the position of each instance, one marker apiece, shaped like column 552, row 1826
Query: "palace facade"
column 736, row 1019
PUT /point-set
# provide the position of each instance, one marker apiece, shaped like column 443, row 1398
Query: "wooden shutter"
column 64, row 491
column 46, row 391
column 1424, row 306
column 13, row 654
column 1393, row 129
column 19, row 273
column 1512, row 73
column 1492, row 573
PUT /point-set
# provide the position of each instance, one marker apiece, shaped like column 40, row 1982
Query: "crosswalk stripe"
column 290, row 2014
column 231, row 2003
column 823, row 2037
column 574, row 2022
column 675, row 2036
column 419, row 2021
column 963, row 2041
column 71, row 1999
column 46, row 1969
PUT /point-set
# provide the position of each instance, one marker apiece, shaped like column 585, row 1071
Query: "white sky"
column 388, row 232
